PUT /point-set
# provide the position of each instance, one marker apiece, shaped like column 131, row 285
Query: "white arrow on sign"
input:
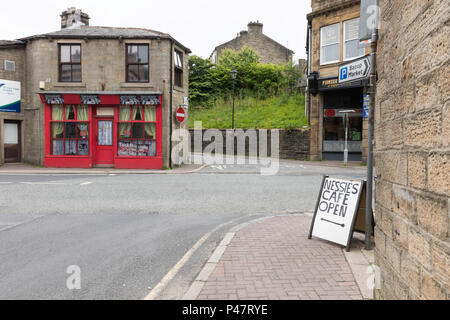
column 355, row 70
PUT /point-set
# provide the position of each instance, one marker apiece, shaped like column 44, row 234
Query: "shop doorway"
column 11, row 134
column 337, row 104
column 104, row 142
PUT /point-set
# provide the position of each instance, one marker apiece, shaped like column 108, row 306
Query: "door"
column 11, row 133
column 104, row 140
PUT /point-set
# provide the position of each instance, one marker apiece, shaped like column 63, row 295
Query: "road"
column 126, row 232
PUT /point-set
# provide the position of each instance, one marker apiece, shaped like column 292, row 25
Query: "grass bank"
column 281, row 112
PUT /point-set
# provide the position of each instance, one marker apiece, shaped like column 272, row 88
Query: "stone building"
column 412, row 135
column 268, row 50
column 333, row 39
column 93, row 96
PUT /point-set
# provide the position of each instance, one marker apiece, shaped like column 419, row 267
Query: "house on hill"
column 268, row 50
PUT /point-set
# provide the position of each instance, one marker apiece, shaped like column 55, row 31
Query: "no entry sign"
column 336, row 210
column 181, row 115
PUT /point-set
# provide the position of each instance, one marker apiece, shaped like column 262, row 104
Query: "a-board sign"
column 336, row 210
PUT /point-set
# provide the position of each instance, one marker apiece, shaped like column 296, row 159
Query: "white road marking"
column 173, row 272
column 43, row 183
column 85, row 183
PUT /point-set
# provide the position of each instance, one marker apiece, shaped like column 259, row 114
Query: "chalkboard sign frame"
column 355, row 213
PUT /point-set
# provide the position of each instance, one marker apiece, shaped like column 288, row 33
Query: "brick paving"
column 274, row 260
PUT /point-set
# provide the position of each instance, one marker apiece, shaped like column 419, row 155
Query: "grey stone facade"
column 103, row 70
column 268, row 50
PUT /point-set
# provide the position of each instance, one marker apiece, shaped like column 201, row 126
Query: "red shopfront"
column 104, row 131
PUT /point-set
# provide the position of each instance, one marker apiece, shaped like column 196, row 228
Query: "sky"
column 200, row 25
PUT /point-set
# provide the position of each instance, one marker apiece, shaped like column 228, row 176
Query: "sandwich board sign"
column 337, row 210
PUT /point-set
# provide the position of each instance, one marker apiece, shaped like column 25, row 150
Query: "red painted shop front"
column 103, row 131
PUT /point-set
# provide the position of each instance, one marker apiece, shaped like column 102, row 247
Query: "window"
column 70, row 130
column 352, row 50
column 178, row 68
column 70, row 63
column 137, row 131
column 137, row 63
column 329, row 44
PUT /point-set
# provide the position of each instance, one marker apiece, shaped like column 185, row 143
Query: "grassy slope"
column 282, row 112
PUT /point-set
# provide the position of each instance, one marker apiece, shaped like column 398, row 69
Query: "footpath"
column 272, row 259
column 20, row 168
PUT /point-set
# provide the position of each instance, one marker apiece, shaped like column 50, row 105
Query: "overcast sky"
column 201, row 25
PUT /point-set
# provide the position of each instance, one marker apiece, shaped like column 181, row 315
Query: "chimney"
column 243, row 33
column 74, row 18
column 255, row 27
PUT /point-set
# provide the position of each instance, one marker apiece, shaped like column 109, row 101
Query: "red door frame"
column 103, row 155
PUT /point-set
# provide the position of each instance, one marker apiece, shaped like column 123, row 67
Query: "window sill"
column 68, row 156
column 330, row 64
column 70, row 84
column 179, row 89
column 146, row 85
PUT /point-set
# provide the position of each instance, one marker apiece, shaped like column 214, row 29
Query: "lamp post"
column 234, row 74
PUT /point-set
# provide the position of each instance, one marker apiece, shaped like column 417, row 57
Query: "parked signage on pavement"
column 9, row 96
column 355, row 70
column 336, row 210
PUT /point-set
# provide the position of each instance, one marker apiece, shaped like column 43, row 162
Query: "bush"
column 210, row 82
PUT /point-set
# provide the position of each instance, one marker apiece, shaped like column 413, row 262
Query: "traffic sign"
column 355, row 70
column 181, row 115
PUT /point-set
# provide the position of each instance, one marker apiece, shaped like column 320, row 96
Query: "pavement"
column 23, row 168
column 272, row 259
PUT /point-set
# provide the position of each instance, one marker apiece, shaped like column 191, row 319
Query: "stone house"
column 93, row 96
column 268, row 50
column 412, row 148
column 333, row 39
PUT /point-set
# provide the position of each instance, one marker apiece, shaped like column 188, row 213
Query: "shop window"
column 137, row 63
column 178, row 68
column 330, row 44
column 137, row 131
column 352, row 50
column 70, row 63
column 70, row 130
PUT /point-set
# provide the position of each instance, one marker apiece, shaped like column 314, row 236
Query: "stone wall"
column 413, row 150
column 16, row 54
column 294, row 144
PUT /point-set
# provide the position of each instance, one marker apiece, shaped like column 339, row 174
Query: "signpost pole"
column 370, row 162
column 346, row 140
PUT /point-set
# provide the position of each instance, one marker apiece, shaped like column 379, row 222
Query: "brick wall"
column 294, row 144
column 413, row 150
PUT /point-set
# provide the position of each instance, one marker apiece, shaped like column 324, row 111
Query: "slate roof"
column 11, row 43
column 92, row 32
